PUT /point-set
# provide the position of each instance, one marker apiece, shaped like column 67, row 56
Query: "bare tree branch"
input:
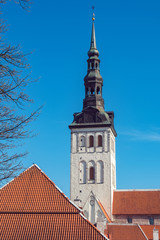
column 14, row 78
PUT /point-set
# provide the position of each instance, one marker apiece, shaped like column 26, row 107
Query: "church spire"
column 93, row 81
column 93, row 37
column 93, row 113
column 93, row 49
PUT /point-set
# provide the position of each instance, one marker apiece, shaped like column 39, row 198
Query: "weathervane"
column 93, row 18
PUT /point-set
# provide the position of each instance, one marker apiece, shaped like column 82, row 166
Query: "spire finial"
column 93, row 17
column 93, row 37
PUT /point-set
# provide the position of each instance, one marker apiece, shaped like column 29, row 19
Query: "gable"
column 33, row 191
column 32, row 207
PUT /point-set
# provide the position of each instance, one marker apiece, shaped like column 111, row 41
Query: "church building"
column 33, row 207
column 93, row 161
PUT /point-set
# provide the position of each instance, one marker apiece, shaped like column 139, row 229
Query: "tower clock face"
column 92, row 202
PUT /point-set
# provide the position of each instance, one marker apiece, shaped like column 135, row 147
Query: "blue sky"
column 128, row 39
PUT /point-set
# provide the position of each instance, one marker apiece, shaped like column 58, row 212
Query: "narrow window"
column 96, row 65
column 99, row 141
column 151, row 220
column 129, row 219
column 98, row 90
column 91, row 173
column 92, row 91
column 91, row 140
column 92, row 65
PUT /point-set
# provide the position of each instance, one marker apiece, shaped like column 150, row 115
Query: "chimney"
column 155, row 234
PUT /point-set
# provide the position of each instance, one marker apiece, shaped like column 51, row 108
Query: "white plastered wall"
column 106, row 154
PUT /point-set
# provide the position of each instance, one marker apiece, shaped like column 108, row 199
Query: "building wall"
column 82, row 154
column 142, row 219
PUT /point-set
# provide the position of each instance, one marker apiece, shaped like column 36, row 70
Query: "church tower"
column 93, row 165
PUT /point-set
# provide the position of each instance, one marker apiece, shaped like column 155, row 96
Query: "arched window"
column 91, row 141
column 82, row 169
column 96, row 65
column 100, row 172
column 91, row 173
column 98, row 90
column 82, row 141
column 99, row 141
column 92, row 91
column 92, row 65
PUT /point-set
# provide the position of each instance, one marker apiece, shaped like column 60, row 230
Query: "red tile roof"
column 32, row 207
column 33, row 191
column 136, row 202
column 124, row 232
column 47, row 226
column 148, row 230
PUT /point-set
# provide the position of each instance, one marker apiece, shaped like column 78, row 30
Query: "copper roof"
column 32, row 207
column 124, row 232
column 136, row 202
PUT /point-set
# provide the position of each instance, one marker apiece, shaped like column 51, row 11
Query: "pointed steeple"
column 93, row 49
column 93, row 81
column 93, row 113
column 93, row 37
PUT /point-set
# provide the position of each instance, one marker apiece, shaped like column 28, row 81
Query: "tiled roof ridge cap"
column 81, row 214
column 134, row 190
column 142, row 231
